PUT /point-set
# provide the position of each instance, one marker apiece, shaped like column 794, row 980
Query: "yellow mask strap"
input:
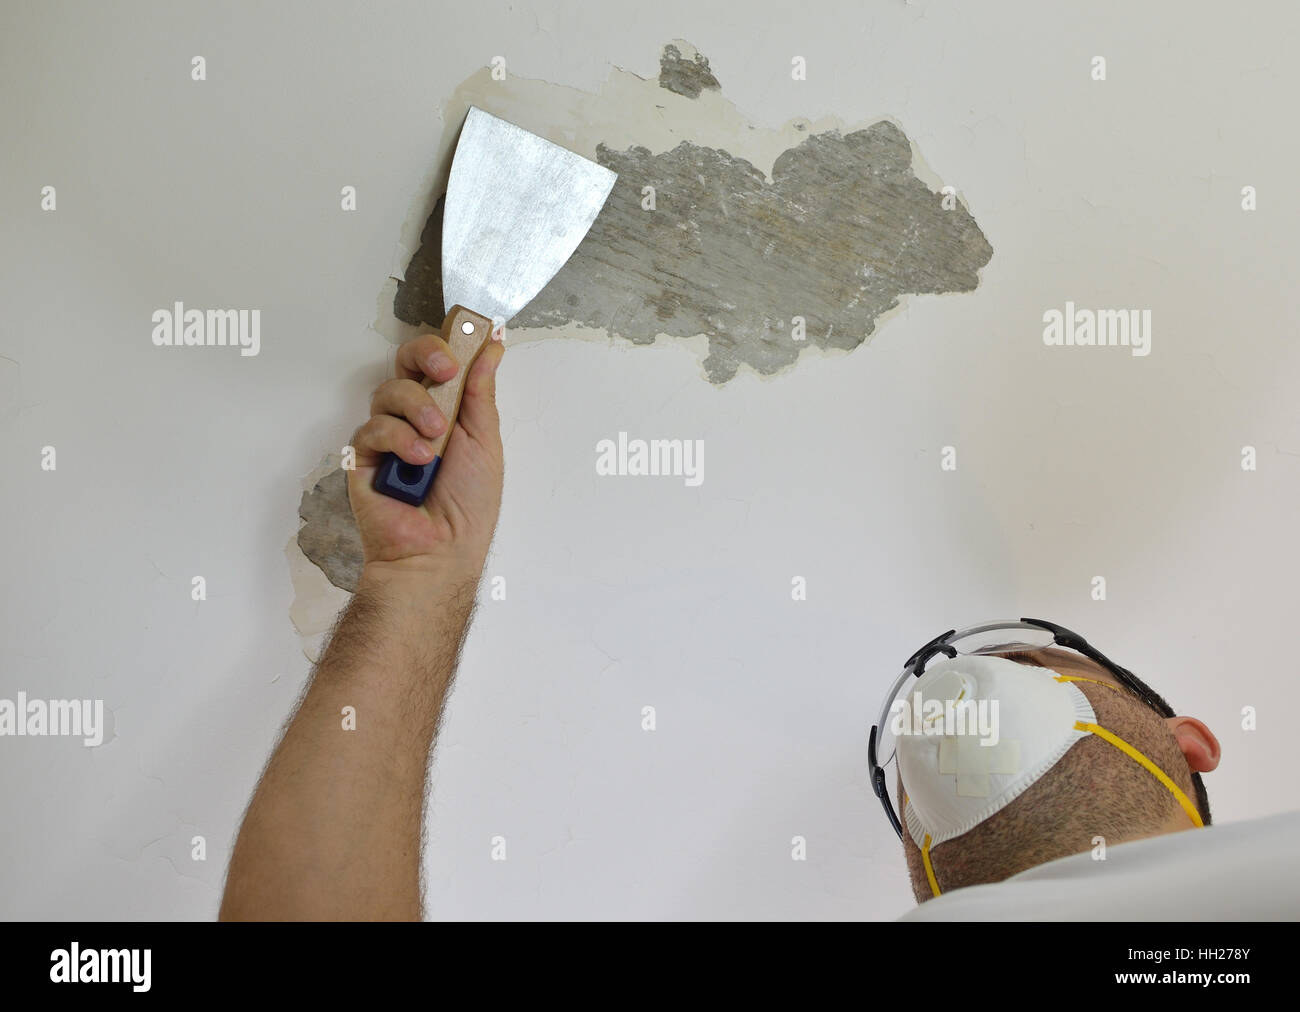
column 1094, row 681
column 929, row 868
column 925, row 859
column 1147, row 765
column 1134, row 754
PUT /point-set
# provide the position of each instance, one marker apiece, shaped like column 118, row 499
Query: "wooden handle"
column 466, row 334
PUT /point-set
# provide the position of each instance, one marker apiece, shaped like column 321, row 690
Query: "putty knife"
column 517, row 206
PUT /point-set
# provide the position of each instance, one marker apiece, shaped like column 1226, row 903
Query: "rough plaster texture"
column 684, row 71
column 329, row 535
column 838, row 235
column 841, row 230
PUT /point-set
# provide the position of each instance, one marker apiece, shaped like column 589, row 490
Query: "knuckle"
column 377, row 398
column 411, row 392
column 364, row 436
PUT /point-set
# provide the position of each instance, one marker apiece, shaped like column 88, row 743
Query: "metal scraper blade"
column 517, row 206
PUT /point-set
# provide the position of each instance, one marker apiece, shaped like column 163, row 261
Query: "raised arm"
column 334, row 827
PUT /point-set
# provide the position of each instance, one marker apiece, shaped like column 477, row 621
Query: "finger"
column 407, row 399
column 426, row 356
column 478, row 408
column 387, row 434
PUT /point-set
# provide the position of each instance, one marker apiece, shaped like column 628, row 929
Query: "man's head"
column 1095, row 790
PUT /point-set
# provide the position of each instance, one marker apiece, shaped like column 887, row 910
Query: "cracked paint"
column 324, row 556
column 842, row 230
column 684, row 71
column 763, row 242
column 329, row 537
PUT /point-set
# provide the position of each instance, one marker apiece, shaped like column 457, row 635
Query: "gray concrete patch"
column 839, row 233
column 749, row 229
column 329, row 537
column 683, row 71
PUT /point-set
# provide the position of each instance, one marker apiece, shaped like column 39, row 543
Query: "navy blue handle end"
column 407, row 482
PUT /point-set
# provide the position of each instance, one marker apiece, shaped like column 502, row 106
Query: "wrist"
column 429, row 575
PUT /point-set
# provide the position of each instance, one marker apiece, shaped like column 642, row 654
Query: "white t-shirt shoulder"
column 1242, row 871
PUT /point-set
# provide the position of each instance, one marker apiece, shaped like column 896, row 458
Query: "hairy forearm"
column 333, row 830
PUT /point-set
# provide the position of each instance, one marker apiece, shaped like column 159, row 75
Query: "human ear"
column 1200, row 747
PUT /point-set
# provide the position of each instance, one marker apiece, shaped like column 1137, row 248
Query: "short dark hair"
column 1198, row 783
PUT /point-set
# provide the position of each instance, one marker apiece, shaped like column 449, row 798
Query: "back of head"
column 1094, row 793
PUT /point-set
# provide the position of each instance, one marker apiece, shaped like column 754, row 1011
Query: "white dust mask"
column 974, row 733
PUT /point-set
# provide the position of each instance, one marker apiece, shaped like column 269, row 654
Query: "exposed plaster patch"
column 751, row 227
column 842, row 230
column 685, row 71
column 329, row 537
column 317, row 602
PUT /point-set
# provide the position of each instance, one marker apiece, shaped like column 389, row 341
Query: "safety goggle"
column 1024, row 636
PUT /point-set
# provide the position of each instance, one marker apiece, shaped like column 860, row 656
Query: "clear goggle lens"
column 999, row 638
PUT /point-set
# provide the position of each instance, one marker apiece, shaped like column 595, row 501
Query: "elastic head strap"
column 1094, row 681
column 929, row 868
column 1134, row 754
column 1147, row 765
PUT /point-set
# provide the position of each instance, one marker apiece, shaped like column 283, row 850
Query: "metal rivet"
column 467, row 327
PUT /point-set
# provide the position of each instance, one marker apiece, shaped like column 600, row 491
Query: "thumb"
column 478, row 408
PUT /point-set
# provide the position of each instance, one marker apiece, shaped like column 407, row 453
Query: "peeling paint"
column 838, row 235
column 684, row 71
column 322, row 587
column 751, row 228
column 776, row 242
column 329, row 535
